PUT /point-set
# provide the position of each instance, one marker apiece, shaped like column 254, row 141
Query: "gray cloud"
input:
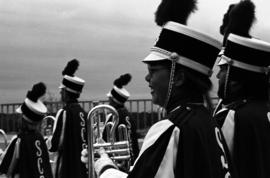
column 108, row 37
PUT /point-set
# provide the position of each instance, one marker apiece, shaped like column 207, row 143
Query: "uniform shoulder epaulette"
column 237, row 104
column 181, row 115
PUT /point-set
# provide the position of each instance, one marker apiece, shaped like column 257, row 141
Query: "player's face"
column 221, row 76
column 233, row 88
column 158, row 79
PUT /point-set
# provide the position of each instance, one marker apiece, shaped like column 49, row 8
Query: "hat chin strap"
column 174, row 57
column 226, row 82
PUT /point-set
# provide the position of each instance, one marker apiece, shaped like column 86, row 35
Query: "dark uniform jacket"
column 186, row 144
column 246, row 129
column 27, row 157
column 69, row 138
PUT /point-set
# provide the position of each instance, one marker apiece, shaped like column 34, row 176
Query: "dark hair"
column 196, row 81
column 25, row 125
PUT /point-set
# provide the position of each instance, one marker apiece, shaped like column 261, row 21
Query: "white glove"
column 104, row 162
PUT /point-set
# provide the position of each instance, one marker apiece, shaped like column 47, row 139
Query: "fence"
column 143, row 111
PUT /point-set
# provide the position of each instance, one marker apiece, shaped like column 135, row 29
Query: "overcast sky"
column 108, row 37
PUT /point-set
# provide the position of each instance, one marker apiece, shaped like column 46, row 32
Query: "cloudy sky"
column 108, row 37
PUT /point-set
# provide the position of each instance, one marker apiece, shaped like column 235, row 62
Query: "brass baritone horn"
column 47, row 126
column 4, row 135
column 105, row 118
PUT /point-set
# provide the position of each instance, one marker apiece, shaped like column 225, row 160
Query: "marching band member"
column 69, row 135
column 117, row 98
column 27, row 154
column 244, row 118
column 187, row 143
column 243, row 112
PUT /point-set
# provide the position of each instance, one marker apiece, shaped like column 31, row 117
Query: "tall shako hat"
column 248, row 55
column 118, row 93
column 246, row 58
column 177, row 38
column 33, row 109
column 71, row 82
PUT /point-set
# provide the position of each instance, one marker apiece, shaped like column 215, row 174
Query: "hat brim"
column 154, row 57
column 19, row 110
column 222, row 61
column 109, row 94
column 61, row 86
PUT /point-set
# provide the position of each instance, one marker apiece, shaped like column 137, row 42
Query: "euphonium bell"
column 4, row 135
column 47, row 126
column 46, row 129
column 105, row 118
column 5, row 143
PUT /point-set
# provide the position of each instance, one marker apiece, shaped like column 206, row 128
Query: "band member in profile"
column 27, row 154
column 69, row 135
column 243, row 113
column 187, row 143
column 117, row 98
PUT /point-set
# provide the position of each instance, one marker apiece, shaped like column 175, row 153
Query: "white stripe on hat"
column 183, row 29
column 250, row 42
column 226, row 60
column 155, row 51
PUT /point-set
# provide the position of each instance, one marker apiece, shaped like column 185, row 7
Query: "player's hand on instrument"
column 104, row 162
column 4, row 176
column 100, row 140
column 84, row 153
